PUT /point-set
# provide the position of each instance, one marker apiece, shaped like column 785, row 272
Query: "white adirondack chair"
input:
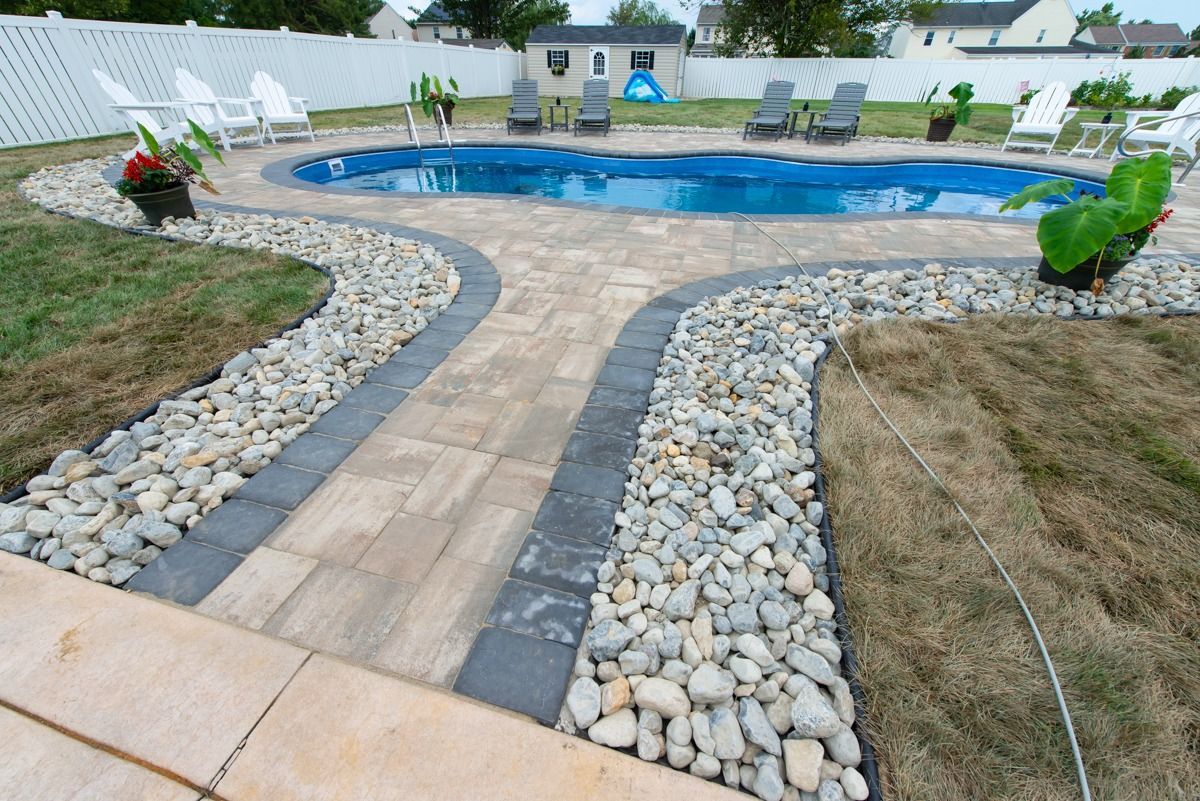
column 1177, row 133
column 276, row 107
column 1045, row 115
column 138, row 113
column 207, row 110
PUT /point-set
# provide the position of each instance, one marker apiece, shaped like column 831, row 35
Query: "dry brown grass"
column 1076, row 447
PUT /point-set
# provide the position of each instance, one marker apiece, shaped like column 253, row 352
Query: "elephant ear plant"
column 431, row 93
column 169, row 166
column 1091, row 229
column 960, row 110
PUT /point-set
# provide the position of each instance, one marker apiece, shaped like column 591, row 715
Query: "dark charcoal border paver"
column 189, row 570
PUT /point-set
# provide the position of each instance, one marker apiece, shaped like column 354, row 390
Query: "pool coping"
column 282, row 173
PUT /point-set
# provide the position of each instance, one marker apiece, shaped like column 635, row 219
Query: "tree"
column 79, row 9
column 800, row 28
column 501, row 19
column 315, row 16
column 539, row 12
column 1106, row 14
column 1195, row 34
column 638, row 12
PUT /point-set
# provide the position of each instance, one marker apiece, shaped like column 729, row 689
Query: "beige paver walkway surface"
column 108, row 696
column 396, row 559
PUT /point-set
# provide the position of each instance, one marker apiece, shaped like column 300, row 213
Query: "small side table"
column 1105, row 129
column 812, row 116
column 565, row 124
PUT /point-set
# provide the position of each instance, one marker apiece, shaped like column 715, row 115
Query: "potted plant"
column 431, row 94
column 946, row 115
column 158, row 183
column 558, row 69
column 1087, row 241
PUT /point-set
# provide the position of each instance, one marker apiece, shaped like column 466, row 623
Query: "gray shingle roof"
column 482, row 44
column 1074, row 48
column 711, row 15
column 607, row 34
column 975, row 15
column 434, row 13
column 1157, row 33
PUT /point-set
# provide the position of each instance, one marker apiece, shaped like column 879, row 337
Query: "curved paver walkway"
column 397, row 559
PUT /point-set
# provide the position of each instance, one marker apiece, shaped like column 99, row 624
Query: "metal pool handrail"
column 443, row 127
column 1147, row 151
column 412, row 134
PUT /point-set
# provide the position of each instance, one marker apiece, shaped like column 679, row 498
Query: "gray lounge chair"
column 772, row 114
column 594, row 111
column 525, row 111
column 844, row 112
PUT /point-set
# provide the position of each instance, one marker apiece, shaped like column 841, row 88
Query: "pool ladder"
column 443, row 130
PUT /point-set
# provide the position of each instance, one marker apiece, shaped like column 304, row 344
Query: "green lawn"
column 95, row 324
column 989, row 123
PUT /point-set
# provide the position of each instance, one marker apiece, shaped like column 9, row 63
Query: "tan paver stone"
column 411, row 419
column 511, row 377
column 169, row 688
column 451, row 482
column 341, row 732
column 517, row 483
column 395, row 456
column 564, row 393
column 407, row 548
column 530, row 431
column 258, row 587
column 341, row 611
column 581, row 361
column 489, row 534
column 41, row 764
column 339, row 521
column 434, row 635
column 467, row 421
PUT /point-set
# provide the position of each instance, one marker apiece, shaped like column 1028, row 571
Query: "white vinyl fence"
column 996, row 80
column 47, row 92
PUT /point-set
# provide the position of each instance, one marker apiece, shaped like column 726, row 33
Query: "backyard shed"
column 610, row 52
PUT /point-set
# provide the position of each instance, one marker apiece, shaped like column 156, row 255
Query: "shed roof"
column 608, row 34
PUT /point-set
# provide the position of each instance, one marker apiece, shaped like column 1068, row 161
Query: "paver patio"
column 395, row 560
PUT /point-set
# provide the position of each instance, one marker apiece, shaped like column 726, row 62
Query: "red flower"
column 1159, row 220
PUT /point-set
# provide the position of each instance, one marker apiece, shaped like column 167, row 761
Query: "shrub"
column 1171, row 97
column 1111, row 93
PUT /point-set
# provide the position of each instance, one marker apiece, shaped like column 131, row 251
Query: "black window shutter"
column 651, row 59
column 566, row 59
column 633, row 60
column 549, row 59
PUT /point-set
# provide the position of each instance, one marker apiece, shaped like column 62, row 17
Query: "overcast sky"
column 593, row 12
column 1185, row 12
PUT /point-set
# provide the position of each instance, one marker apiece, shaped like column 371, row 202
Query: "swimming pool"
column 752, row 185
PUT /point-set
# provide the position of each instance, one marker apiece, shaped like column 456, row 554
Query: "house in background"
column 481, row 44
column 434, row 23
column 1155, row 40
column 708, row 30
column 611, row 52
column 388, row 24
column 1010, row 28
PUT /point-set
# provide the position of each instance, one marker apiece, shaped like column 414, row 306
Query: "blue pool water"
column 694, row 183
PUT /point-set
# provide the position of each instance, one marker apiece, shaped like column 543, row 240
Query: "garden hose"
column 1033, row 626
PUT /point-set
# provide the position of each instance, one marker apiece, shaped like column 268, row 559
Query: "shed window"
column 642, row 60
column 994, row 38
column 706, row 35
column 558, row 58
column 950, row 37
column 928, row 38
column 1041, row 35
column 437, row 32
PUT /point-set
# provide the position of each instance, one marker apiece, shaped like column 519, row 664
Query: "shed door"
column 598, row 59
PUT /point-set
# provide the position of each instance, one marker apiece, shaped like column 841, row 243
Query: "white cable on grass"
column 1037, row 634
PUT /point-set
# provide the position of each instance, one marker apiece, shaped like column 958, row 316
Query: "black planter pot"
column 1081, row 276
column 448, row 112
column 940, row 129
column 172, row 202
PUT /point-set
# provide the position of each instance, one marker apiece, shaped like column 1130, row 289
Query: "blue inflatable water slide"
column 642, row 88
